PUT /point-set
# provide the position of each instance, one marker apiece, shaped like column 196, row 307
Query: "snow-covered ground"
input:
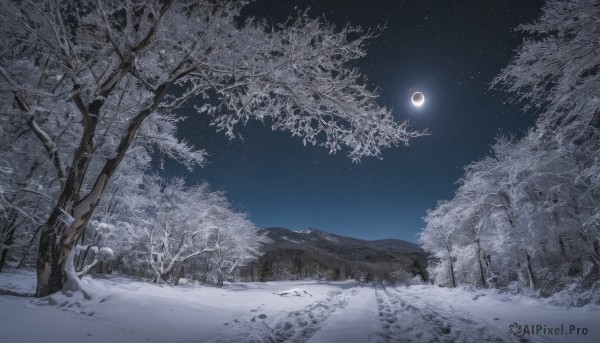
column 128, row 310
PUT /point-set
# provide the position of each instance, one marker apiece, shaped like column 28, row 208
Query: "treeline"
column 528, row 216
column 299, row 264
column 155, row 228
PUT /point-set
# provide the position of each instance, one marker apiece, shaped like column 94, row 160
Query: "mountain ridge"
column 314, row 253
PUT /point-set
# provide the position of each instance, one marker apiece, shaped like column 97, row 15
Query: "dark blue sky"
column 449, row 50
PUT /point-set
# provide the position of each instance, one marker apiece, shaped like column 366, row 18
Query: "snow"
column 289, row 239
column 331, row 238
column 298, row 292
column 358, row 322
column 422, row 312
column 105, row 254
column 126, row 309
column 66, row 218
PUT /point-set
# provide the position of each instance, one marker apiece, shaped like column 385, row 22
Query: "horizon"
column 337, row 234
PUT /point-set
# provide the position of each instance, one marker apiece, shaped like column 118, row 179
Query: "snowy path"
column 126, row 310
column 412, row 319
column 357, row 322
column 288, row 324
column 434, row 314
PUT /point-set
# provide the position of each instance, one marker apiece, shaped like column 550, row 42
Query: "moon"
column 418, row 99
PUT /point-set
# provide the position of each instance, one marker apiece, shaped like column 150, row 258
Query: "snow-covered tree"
column 30, row 181
column 436, row 238
column 521, row 213
column 125, row 64
column 557, row 69
column 524, row 211
column 233, row 241
column 172, row 225
column 535, row 201
column 112, row 224
column 27, row 183
column 101, row 255
column 175, row 223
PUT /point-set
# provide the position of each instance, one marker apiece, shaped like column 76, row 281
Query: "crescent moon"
column 418, row 99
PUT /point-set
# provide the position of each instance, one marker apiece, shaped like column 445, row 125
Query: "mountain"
column 313, row 253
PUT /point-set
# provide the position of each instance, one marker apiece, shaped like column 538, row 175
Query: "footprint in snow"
column 446, row 330
column 261, row 316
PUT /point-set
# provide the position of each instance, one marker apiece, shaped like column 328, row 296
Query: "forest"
column 91, row 96
column 527, row 217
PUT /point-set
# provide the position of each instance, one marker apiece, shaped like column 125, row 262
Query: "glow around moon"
column 418, row 99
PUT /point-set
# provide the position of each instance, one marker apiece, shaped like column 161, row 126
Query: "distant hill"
column 313, row 253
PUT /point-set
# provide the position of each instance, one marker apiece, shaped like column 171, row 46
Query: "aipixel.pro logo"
column 519, row 330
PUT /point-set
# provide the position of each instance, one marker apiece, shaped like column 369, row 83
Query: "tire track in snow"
column 294, row 327
column 410, row 319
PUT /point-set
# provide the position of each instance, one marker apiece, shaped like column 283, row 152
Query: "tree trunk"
column 60, row 234
column 52, row 255
column 532, row 283
column 28, row 248
column 86, row 252
column 220, row 280
column 563, row 251
column 53, row 252
column 87, row 268
column 11, row 226
column 252, row 272
column 160, row 278
column 451, row 266
column 452, row 273
column 206, row 270
column 481, row 270
column 88, row 247
column 59, row 237
column 9, row 232
column 180, row 275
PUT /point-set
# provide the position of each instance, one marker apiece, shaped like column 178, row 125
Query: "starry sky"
column 449, row 50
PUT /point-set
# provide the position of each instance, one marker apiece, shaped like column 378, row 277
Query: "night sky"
column 449, row 50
